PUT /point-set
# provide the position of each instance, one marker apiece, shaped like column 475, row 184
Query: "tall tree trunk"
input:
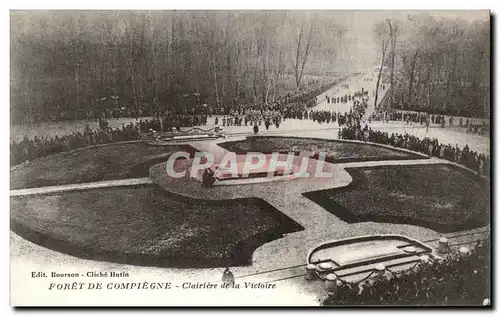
column 255, row 88
column 248, row 53
column 308, row 46
column 237, row 74
column 229, row 79
column 393, row 35
column 296, row 65
column 383, row 48
column 172, row 53
column 255, row 97
column 265, row 76
column 279, row 75
column 412, row 76
column 215, row 79
column 155, row 82
column 451, row 78
column 132, row 72
column 268, row 86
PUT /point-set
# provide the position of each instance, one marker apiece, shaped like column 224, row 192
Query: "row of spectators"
column 298, row 111
column 343, row 99
column 457, row 280
column 29, row 149
column 293, row 105
column 362, row 94
column 428, row 146
column 250, row 118
column 424, row 118
column 256, row 117
column 297, row 99
column 348, row 118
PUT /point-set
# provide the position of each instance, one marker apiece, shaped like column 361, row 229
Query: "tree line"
column 436, row 65
column 67, row 61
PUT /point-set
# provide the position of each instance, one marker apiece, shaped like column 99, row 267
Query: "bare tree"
column 301, row 59
column 393, row 30
column 381, row 36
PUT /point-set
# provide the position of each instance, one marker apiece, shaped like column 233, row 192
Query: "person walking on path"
column 228, row 278
column 255, row 129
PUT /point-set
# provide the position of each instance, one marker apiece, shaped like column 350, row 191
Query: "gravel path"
column 81, row 186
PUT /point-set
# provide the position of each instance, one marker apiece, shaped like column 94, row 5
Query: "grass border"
column 241, row 255
column 320, row 197
column 410, row 155
column 138, row 170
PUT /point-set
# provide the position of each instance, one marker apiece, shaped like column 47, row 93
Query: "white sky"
column 360, row 29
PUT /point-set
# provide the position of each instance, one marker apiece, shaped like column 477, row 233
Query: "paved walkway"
column 81, row 186
column 355, row 84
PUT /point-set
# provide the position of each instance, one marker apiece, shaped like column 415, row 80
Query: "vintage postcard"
column 250, row 158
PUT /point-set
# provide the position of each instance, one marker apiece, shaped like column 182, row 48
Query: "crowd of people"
column 303, row 99
column 293, row 105
column 359, row 101
column 363, row 95
column 457, row 280
column 30, row 149
column 272, row 115
column 428, row 146
column 251, row 118
column 169, row 121
column 426, row 119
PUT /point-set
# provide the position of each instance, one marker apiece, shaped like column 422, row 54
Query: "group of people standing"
column 293, row 105
column 30, row 149
column 363, row 95
column 427, row 119
column 303, row 98
column 432, row 147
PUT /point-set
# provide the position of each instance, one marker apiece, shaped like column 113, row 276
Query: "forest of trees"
column 65, row 61
column 85, row 61
column 436, row 65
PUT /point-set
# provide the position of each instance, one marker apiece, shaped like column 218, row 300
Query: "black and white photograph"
column 319, row 158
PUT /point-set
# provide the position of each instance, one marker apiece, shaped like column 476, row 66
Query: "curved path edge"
column 81, row 186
